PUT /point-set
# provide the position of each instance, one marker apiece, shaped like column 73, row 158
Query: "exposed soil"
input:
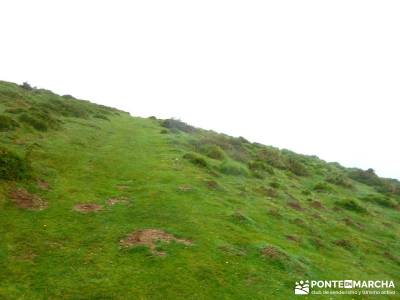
column 344, row 244
column 23, row 199
column 293, row 238
column 316, row 216
column 149, row 238
column 298, row 222
column 350, row 222
column 317, row 242
column 275, row 213
column 212, row 184
column 26, row 256
column 88, row 207
column 43, row 185
column 273, row 253
column 295, row 205
column 117, row 200
column 390, row 256
column 267, row 191
column 317, row 205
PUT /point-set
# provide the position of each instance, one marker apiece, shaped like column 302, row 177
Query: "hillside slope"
column 96, row 204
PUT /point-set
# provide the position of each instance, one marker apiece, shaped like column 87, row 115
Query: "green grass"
column 58, row 253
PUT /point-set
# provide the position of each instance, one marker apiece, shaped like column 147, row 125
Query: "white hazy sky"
column 317, row 77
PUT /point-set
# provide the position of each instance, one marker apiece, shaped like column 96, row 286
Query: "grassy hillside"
column 96, row 204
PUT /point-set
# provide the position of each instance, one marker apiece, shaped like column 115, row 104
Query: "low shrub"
column 233, row 147
column 259, row 169
column 212, row 151
column 7, row 123
column 68, row 97
column 322, row 187
column 15, row 110
column 346, row 244
column 258, row 174
column 257, row 165
column 101, row 116
column 240, row 218
column 380, row 200
column 196, row 159
column 351, row 204
column 233, row 168
column 12, row 166
column 275, row 184
column 271, row 156
column 34, row 122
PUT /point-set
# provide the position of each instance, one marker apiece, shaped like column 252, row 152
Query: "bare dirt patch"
column 88, row 207
column 26, row 256
column 293, row 238
column 117, row 200
column 23, row 199
column 273, row 253
column 275, row 212
column 344, row 244
column 295, row 205
column 350, row 222
column 149, row 238
column 317, row 205
column 43, row 185
column 212, row 184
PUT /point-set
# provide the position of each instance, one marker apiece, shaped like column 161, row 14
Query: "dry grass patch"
column 117, row 200
column 23, row 199
column 88, row 207
column 149, row 238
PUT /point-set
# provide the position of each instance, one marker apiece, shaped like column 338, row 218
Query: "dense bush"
column 177, row 125
column 259, row 169
column 235, row 148
column 196, row 159
column 382, row 185
column 339, row 179
column 272, row 156
column 27, row 86
column 212, row 151
column 233, row 168
column 367, row 177
column 7, row 123
column 296, row 167
column 12, row 166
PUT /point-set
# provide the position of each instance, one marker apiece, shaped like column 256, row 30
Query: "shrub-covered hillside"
column 96, row 204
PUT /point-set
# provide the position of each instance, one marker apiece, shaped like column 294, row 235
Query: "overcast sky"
column 317, row 77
